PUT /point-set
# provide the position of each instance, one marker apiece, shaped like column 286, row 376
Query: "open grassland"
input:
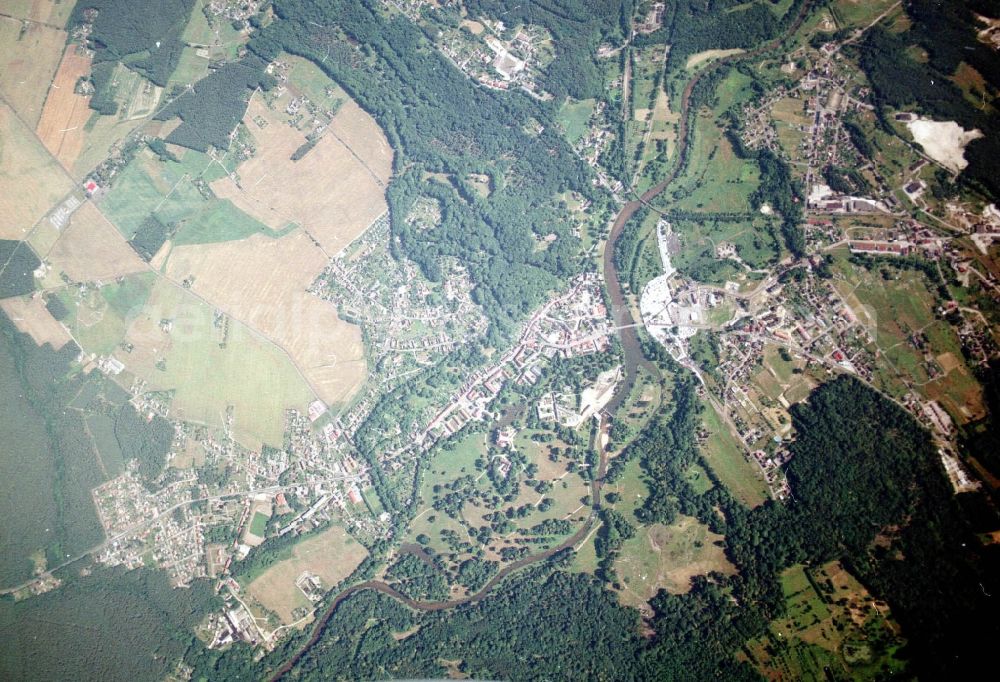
column 31, row 317
column 573, row 117
column 90, row 248
column 335, row 191
column 99, row 318
column 263, row 283
column 724, row 455
column 168, row 191
column 668, row 557
column 858, row 13
column 210, row 363
column 307, row 79
column 61, row 127
column 715, row 179
column 50, row 12
column 332, row 554
column 446, row 471
column 29, row 56
column 32, row 181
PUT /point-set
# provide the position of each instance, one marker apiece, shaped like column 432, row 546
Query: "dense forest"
column 17, row 266
column 868, row 490
column 215, row 105
column 143, row 34
column 112, row 624
column 45, row 420
column 692, row 26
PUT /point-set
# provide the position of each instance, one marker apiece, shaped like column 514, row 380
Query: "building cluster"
column 571, row 324
column 498, row 56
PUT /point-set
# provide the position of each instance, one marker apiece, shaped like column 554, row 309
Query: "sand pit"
column 90, row 248
column 943, row 141
column 262, row 282
column 335, row 191
column 66, row 113
column 32, row 182
column 29, row 56
column 31, row 316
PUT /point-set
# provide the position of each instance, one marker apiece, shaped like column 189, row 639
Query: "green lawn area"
column 724, row 455
column 259, row 524
column 573, row 117
column 310, row 80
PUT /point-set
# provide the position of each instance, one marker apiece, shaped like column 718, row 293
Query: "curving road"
column 626, row 324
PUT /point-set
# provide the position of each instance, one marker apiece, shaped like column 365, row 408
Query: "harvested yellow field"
column 263, row 283
column 359, row 132
column 52, row 12
column 212, row 364
column 66, row 113
column 29, row 55
column 31, row 316
column 332, row 555
column 32, row 181
column 335, row 191
column 90, row 248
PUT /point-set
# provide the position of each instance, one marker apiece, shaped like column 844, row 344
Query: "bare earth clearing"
column 943, row 141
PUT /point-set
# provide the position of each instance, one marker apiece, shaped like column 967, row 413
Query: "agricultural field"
column 724, row 455
column 209, row 361
column 32, row 181
column 31, row 317
column 90, row 248
column 914, row 345
column 715, row 179
column 168, row 201
column 241, row 279
column 49, row 12
column 667, row 557
column 99, row 316
column 332, row 554
column 61, row 127
column 29, row 56
column 832, row 628
column 277, row 191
